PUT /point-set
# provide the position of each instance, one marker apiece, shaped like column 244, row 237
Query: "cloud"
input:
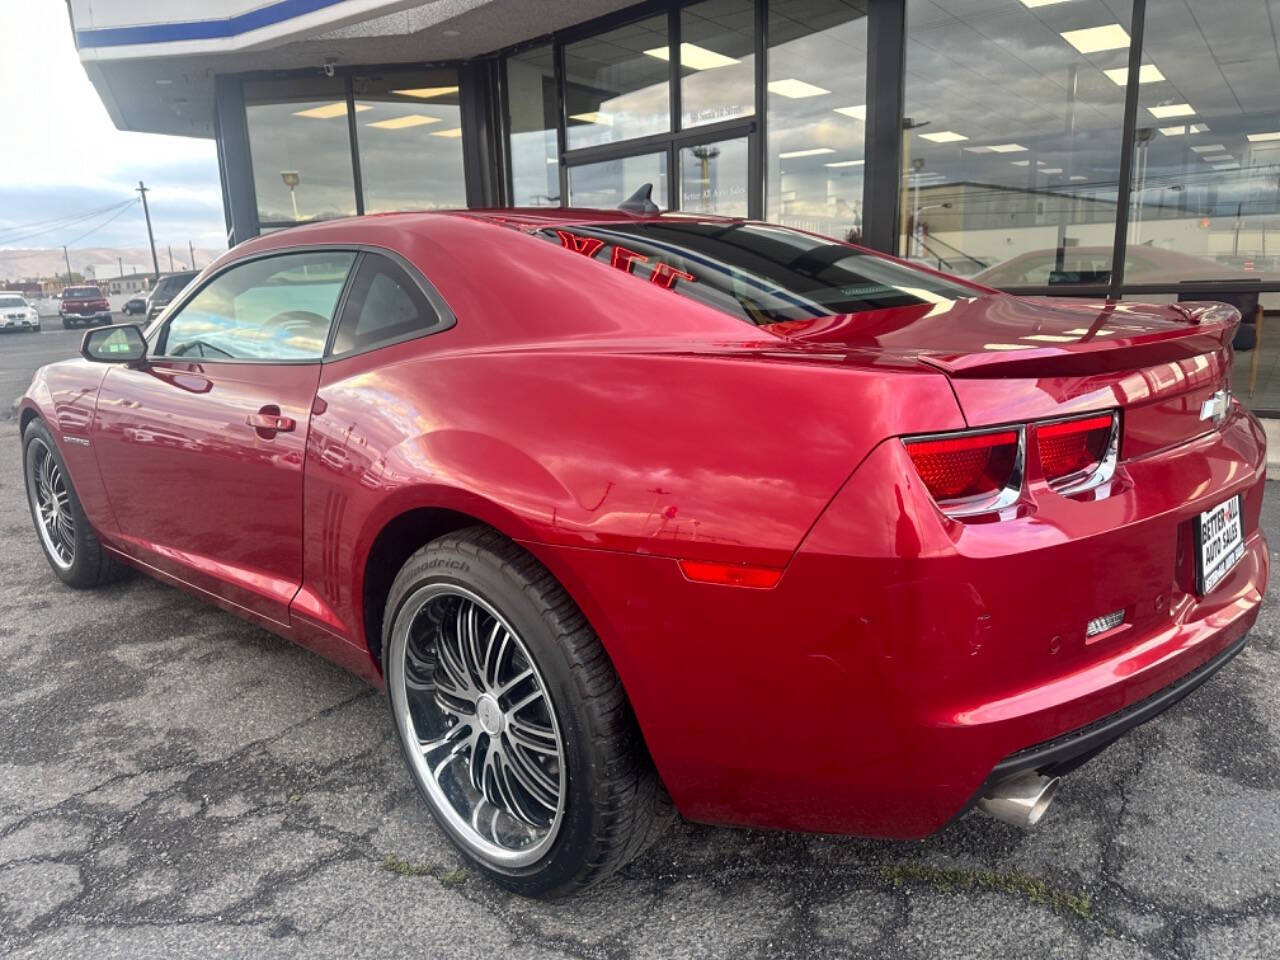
column 64, row 157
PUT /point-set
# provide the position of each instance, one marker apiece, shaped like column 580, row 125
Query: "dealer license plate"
column 1220, row 542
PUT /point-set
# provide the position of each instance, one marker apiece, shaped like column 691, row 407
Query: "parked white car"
column 17, row 314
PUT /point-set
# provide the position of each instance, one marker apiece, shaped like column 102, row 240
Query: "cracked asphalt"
column 176, row 783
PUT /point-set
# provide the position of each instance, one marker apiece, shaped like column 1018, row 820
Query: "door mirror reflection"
column 121, row 343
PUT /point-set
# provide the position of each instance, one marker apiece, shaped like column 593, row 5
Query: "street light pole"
column 146, row 212
column 291, row 180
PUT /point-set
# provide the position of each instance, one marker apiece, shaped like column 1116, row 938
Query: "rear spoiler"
column 1108, row 347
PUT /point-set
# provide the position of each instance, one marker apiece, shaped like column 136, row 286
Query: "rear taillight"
column 1071, row 451
column 969, row 473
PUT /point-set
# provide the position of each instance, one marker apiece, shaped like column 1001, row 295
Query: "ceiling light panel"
column 329, row 110
column 1111, row 36
column 943, row 136
column 1167, row 111
column 796, row 89
column 811, row 152
column 426, row 93
column 1147, row 73
column 693, row 56
column 400, row 123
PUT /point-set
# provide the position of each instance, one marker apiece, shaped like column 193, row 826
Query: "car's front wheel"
column 68, row 541
column 512, row 720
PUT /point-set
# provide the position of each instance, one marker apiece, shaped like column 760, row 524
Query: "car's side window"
column 274, row 308
column 384, row 305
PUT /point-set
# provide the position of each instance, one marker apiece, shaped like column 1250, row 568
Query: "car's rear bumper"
column 904, row 660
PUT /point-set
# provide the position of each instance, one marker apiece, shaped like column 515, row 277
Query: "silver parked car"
column 16, row 313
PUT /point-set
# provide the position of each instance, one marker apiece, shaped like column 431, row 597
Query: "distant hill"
column 21, row 263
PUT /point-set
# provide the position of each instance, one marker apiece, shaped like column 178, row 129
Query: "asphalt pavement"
column 176, row 783
column 21, row 354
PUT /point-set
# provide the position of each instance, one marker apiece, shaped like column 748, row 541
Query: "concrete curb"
column 1272, row 427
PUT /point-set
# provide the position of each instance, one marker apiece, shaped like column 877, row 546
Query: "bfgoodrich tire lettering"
column 594, row 800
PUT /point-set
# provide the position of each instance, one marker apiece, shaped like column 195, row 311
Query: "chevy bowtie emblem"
column 1215, row 408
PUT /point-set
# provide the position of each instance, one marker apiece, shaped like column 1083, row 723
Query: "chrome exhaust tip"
column 1021, row 801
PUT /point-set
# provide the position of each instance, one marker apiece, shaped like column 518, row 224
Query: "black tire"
column 614, row 803
column 67, row 324
column 90, row 564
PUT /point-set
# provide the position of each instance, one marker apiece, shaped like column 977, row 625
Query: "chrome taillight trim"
column 1085, row 480
column 1003, row 498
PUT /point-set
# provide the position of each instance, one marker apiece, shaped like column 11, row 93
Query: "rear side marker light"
column 1100, row 625
column 1071, row 451
column 969, row 473
column 731, row 574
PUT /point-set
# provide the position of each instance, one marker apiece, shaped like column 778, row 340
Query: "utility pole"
column 192, row 247
column 66, row 256
column 171, row 258
column 146, row 212
column 120, row 260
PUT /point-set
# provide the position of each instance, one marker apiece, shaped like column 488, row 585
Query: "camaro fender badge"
column 1215, row 408
column 80, row 440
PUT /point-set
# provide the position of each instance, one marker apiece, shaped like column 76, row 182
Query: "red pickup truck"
column 87, row 305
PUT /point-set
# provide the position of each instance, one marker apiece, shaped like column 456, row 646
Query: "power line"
column 119, row 213
column 23, row 227
column 69, row 222
column 94, row 229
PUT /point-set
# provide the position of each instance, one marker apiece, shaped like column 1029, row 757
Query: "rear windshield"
column 9, row 302
column 170, row 286
column 81, row 292
column 762, row 274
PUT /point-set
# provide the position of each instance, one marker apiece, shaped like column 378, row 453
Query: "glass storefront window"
column 300, row 149
column 1012, row 153
column 817, row 115
column 409, row 134
column 606, row 184
column 617, row 84
column 713, row 178
column 717, row 61
column 531, row 98
column 1205, row 202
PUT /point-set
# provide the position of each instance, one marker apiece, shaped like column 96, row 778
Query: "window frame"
column 160, row 329
column 446, row 318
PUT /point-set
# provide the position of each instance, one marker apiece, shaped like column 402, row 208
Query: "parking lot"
column 177, row 783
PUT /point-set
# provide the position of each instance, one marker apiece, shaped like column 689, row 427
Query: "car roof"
column 526, row 218
column 383, row 227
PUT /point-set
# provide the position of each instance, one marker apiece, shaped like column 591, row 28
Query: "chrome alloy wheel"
column 51, row 504
column 478, row 725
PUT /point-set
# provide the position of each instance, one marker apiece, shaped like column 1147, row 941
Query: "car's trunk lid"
column 1013, row 359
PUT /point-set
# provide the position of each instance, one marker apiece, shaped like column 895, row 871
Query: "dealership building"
column 1056, row 147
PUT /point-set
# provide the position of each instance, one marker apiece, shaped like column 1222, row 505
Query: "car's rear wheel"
column 67, row 539
column 512, row 719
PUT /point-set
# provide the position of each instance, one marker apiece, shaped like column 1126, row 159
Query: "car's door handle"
column 268, row 422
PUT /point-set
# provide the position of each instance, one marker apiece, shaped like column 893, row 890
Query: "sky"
column 63, row 156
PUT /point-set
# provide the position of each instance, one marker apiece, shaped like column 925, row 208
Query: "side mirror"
column 119, row 343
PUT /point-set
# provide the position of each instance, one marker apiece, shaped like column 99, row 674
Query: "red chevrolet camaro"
column 628, row 509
